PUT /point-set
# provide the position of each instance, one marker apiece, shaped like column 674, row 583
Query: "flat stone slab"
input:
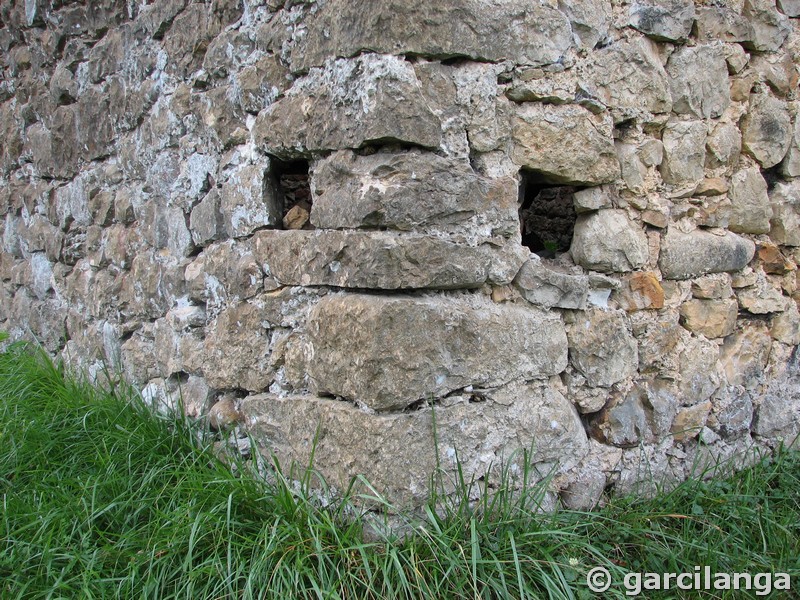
column 389, row 352
column 383, row 260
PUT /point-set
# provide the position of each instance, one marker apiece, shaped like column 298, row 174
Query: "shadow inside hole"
column 546, row 215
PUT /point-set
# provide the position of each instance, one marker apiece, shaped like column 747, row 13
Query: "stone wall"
column 382, row 230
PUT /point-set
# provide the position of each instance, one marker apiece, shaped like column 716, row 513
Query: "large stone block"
column 411, row 191
column 602, row 348
column 684, row 152
column 384, row 260
column 669, row 21
column 547, row 287
column 767, row 130
column 392, row 351
column 687, row 255
column 397, row 453
column 249, row 201
column 608, row 241
column 699, row 81
column 750, row 206
column 372, row 98
column 525, row 33
column 564, row 144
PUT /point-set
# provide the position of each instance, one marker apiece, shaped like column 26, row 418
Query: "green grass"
column 102, row 498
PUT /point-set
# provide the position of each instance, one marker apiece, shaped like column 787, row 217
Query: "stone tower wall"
column 405, row 233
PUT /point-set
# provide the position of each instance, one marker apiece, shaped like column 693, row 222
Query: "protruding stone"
column 390, row 351
column 411, row 191
column 563, row 144
column 602, row 348
column 371, row 98
column 767, row 130
column 750, row 205
column 687, row 255
column 723, row 146
column 770, row 28
column 684, row 152
column 711, row 318
column 773, row 261
column 384, row 260
column 546, row 287
column 669, row 21
column 590, row 20
column 714, row 186
column 608, row 241
column 530, row 35
column 720, row 23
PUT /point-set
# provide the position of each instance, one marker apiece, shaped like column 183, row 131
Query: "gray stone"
column 372, row 98
column 206, row 222
column 790, row 167
column 384, row 260
column 249, row 201
column 602, row 348
column 687, row 255
column 711, row 318
column 411, row 191
column 785, row 326
column 767, row 130
column 785, row 222
column 629, row 77
column 530, row 35
column 714, row 286
column 750, row 205
column 723, row 145
column 547, row 287
column 594, row 198
column 564, row 144
column 396, row 453
column 762, row 298
column 632, row 168
column 791, row 8
column 608, row 241
column 770, row 28
column 699, row 81
column 391, row 351
column 722, row 23
column 590, row 20
column 684, row 152
column 744, row 356
column 669, row 20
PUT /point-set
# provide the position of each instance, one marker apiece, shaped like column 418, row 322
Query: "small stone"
column 744, row 356
column 773, row 261
column 785, row 222
column 601, row 348
column 655, row 218
column 711, row 318
column 762, row 298
column 767, row 129
column 546, row 287
column 684, row 152
column 750, row 205
column 640, row 291
column 713, row 286
column 689, row 422
column 785, row 326
column 723, row 146
column 296, row 218
column 223, row 415
column 714, row 186
column 669, row 20
column 608, row 241
column 651, row 152
column 593, row 198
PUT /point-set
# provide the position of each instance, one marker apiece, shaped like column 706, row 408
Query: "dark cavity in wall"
column 294, row 191
column 546, row 214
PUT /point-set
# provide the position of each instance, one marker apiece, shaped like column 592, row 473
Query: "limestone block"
column 711, row 318
column 391, row 351
column 206, row 222
column 249, row 201
column 687, row 255
column 224, row 270
column 669, row 21
column 594, row 198
column 750, row 204
column 547, row 287
column 640, row 291
column 411, row 191
column 384, row 260
column 638, row 417
column 528, row 34
column 785, row 222
column 590, row 20
column 565, row 144
column 629, row 76
column 723, row 145
column 602, row 348
column 699, row 81
column 237, row 348
column 786, row 326
column 790, row 167
column 261, row 83
column 770, row 27
column 608, row 241
column 715, row 286
column 690, row 421
column 366, row 99
column 684, row 152
column 722, row 23
column 767, row 129
column 744, row 356
column 732, row 413
column 396, row 452
column 762, row 298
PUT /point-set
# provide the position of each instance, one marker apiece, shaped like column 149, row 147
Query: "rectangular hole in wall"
column 546, row 214
column 294, row 188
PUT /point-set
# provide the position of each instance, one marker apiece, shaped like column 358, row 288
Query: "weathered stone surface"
column 790, row 166
column 713, row 286
column 565, row 144
column 206, row 223
column 744, row 356
column 687, row 255
column 411, row 191
column 629, row 77
column 762, row 298
column 637, row 417
column 391, row 351
column 750, row 205
column 690, row 421
column 786, row 326
column 384, row 260
column 723, row 24
column 770, row 27
column 773, row 261
column 640, row 291
column 547, row 287
column 593, row 198
column 530, row 35
column 699, row 81
column 669, row 21
column 608, row 241
column 397, row 452
column 602, row 348
column 723, row 145
column 711, row 318
column 712, row 186
column 767, row 129
column 684, row 152
column 785, row 222
column 248, row 201
column 367, row 99
column 590, row 20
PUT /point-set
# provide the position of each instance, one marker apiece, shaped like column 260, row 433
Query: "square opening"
column 546, row 215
